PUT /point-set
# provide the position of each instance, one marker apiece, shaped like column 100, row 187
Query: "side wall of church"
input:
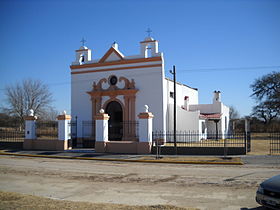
column 181, row 92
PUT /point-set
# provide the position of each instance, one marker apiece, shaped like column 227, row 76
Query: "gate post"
column 63, row 122
column 63, row 131
column 101, row 131
column 30, row 125
column 145, row 131
column 30, row 130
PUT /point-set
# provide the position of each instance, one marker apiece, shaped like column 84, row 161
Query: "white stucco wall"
column 181, row 92
column 149, row 82
column 186, row 120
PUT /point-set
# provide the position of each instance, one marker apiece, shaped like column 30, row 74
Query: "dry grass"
column 260, row 144
column 260, row 147
column 11, row 200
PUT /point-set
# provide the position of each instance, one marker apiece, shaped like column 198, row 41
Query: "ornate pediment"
column 113, row 89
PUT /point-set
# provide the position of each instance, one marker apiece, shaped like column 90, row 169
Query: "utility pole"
column 174, row 117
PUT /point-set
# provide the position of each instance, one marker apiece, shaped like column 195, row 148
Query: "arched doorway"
column 114, row 110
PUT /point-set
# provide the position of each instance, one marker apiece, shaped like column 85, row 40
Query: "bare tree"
column 50, row 114
column 233, row 113
column 233, row 117
column 28, row 94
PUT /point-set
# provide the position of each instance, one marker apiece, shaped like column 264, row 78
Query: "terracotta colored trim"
column 112, row 93
column 108, row 53
column 111, row 63
column 30, row 118
column 149, row 41
column 82, row 50
column 64, row 117
column 100, row 116
column 145, row 115
column 116, row 69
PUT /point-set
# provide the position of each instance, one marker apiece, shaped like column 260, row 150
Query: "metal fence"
column 88, row 133
column 195, row 139
column 195, row 143
column 47, row 130
column 130, row 130
column 275, row 143
column 11, row 135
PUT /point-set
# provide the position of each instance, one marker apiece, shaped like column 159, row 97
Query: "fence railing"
column 12, row 132
column 275, row 143
column 47, row 130
column 196, row 139
column 11, row 136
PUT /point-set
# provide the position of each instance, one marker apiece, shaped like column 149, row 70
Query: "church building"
column 122, row 85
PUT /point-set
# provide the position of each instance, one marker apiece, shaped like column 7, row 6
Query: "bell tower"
column 149, row 47
column 83, row 55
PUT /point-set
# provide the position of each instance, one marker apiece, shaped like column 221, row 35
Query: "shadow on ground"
column 256, row 208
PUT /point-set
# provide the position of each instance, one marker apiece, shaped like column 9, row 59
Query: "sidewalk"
column 90, row 154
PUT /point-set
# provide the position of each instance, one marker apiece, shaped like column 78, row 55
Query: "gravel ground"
column 142, row 184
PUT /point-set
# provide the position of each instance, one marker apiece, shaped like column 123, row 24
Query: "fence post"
column 145, row 131
column 30, row 130
column 63, row 121
column 101, row 131
column 30, row 125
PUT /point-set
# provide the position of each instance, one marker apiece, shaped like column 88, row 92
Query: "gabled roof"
column 111, row 52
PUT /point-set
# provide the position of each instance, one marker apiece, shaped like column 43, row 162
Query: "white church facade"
column 122, row 86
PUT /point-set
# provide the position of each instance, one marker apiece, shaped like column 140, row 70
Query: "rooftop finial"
column 149, row 31
column 83, row 41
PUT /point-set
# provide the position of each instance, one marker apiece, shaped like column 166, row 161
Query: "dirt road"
column 201, row 186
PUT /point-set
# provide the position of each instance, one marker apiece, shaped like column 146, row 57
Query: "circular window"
column 113, row 80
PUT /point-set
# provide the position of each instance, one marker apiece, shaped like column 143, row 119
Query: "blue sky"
column 215, row 45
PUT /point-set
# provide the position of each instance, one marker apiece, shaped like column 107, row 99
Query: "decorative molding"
column 121, row 62
column 30, row 118
column 148, row 41
column 129, row 94
column 63, row 117
column 145, row 115
column 101, row 116
column 117, row 69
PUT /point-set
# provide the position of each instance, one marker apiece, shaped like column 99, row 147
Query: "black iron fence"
column 195, row 143
column 12, row 135
column 275, row 143
column 130, row 130
column 88, row 133
column 47, row 130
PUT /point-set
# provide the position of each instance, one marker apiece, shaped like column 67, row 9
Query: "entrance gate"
column 114, row 110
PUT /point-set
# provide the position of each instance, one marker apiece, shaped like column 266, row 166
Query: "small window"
column 171, row 94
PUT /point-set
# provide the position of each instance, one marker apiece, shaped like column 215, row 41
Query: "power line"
column 180, row 71
column 228, row 69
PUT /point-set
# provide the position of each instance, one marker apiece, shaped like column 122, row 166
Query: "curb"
column 125, row 160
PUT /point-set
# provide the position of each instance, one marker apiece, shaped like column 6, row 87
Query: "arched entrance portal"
column 114, row 110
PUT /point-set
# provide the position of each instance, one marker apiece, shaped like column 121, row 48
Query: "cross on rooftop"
column 149, row 32
column 83, row 41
